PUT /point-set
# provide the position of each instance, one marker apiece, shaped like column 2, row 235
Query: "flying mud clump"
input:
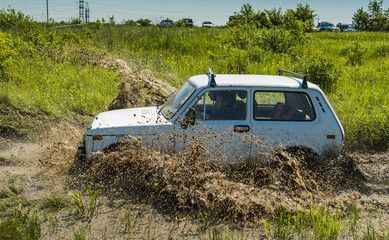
column 239, row 192
column 138, row 87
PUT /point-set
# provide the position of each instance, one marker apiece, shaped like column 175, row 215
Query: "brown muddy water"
column 245, row 192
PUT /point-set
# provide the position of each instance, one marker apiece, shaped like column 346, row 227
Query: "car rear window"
column 282, row 106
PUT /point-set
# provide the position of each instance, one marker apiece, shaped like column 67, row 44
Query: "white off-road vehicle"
column 234, row 118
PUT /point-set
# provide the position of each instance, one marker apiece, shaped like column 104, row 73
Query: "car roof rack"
column 212, row 76
column 304, row 77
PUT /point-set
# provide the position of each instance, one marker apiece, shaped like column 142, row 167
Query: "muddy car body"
column 257, row 114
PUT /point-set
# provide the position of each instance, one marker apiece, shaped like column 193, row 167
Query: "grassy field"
column 51, row 76
column 351, row 67
column 51, row 70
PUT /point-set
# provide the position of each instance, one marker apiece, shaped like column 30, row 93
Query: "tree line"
column 375, row 19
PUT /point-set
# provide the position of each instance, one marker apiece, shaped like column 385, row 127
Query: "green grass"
column 54, row 203
column 21, row 225
column 53, row 71
column 56, row 89
column 351, row 68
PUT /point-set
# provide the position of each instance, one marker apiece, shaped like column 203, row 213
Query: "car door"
column 222, row 125
column 282, row 118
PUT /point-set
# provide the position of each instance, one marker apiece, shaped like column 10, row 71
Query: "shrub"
column 10, row 19
column 380, row 48
column 277, row 40
column 6, row 50
column 320, row 69
column 354, row 53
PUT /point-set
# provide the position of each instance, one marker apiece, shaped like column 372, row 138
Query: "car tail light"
column 330, row 136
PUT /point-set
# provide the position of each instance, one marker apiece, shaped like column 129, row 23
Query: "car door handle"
column 241, row 128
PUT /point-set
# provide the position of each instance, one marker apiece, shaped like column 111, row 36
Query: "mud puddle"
column 245, row 192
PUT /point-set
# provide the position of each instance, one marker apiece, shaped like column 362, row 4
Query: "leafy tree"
column 144, row 22
column 11, row 19
column 305, row 13
column 381, row 23
column 99, row 25
column 361, row 19
column 246, row 10
column 260, row 20
column 299, row 20
column 375, row 8
column 112, row 20
column 247, row 16
column 130, row 22
column 242, row 17
column 275, row 16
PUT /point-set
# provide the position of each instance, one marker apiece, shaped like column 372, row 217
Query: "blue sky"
column 217, row 11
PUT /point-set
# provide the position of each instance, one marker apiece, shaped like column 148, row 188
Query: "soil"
column 154, row 187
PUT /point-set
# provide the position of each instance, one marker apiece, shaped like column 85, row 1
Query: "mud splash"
column 138, row 87
column 241, row 192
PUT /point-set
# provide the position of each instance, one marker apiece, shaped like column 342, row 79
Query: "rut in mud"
column 239, row 192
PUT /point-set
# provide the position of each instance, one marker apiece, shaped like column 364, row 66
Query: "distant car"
column 167, row 23
column 234, row 117
column 188, row 22
column 350, row 29
column 208, row 24
column 327, row 26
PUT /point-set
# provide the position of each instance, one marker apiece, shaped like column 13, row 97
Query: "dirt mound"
column 241, row 192
column 138, row 87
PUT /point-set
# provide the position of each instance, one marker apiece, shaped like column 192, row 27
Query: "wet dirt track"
column 165, row 184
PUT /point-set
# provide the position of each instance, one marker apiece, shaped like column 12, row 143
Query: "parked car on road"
column 327, row 26
column 207, row 24
column 188, row 22
column 350, row 29
column 234, row 117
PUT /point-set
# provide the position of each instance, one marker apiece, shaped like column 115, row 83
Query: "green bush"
column 6, row 51
column 354, row 53
column 277, row 40
column 320, row 69
column 10, row 19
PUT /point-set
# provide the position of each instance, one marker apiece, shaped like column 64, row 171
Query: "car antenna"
column 212, row 76
column 304, row 77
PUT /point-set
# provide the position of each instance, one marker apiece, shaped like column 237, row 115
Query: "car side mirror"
column 189, row 119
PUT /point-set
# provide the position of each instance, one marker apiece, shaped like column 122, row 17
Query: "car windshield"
column 176, row 100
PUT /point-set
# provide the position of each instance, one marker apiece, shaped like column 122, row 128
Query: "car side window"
column 282, row 106
column 222, row 105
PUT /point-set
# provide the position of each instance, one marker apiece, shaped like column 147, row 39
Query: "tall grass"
column 56, row 89
column 351, row 67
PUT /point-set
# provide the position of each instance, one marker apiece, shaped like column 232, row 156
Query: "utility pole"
column 47, row 10
column 82, row 10
column 86, row 12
